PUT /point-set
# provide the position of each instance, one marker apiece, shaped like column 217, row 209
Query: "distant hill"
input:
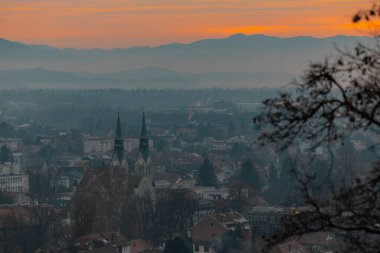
column 239, row 60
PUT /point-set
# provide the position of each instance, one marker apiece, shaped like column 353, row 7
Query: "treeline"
column 152, row 99
column 93, row 111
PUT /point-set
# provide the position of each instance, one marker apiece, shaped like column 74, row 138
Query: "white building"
column 14, row 183
column 11, row 177
column 211, row 193
column 97, row 145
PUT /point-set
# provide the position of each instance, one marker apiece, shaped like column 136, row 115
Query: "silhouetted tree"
column 333, row 99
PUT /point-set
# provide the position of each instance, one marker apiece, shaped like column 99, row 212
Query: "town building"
column 266, row 220
column 207, row 234
column 12, row 179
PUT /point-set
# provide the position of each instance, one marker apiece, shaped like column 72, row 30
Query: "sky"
column 125, row 23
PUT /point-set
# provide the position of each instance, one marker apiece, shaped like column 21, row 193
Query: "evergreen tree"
column 206, row 174
column 248, row 174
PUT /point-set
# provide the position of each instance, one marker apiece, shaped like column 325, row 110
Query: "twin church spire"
column 143, row 162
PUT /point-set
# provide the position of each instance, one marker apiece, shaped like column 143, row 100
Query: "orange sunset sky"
column 124, row 23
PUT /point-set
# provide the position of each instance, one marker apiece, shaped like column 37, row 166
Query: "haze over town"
column 189, row 126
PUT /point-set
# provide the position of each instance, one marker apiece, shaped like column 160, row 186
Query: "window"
column 212, row 224
column 206, row 249
column 196, row 247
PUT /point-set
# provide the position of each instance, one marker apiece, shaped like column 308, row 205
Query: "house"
column 211, row 193
column 207, row 235
column 232, row 220
column 205, row 208
column 266, row 220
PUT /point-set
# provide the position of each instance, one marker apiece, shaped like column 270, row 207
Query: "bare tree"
column 83, row 209
column 175, row 210
column 97, row 203
column 43, row 184
column 333, row 99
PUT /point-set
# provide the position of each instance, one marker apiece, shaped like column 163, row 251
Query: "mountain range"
column 237, row 61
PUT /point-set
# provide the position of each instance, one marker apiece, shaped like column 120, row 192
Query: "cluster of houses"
column 19, row 183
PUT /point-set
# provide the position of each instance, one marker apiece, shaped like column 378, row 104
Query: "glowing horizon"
column 126, row 23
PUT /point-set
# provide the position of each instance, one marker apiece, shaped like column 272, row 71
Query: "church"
column 116, row 191
column 140, row 177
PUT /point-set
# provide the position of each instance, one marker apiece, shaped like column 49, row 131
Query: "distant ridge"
column 239, row 59
column 233, row 36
